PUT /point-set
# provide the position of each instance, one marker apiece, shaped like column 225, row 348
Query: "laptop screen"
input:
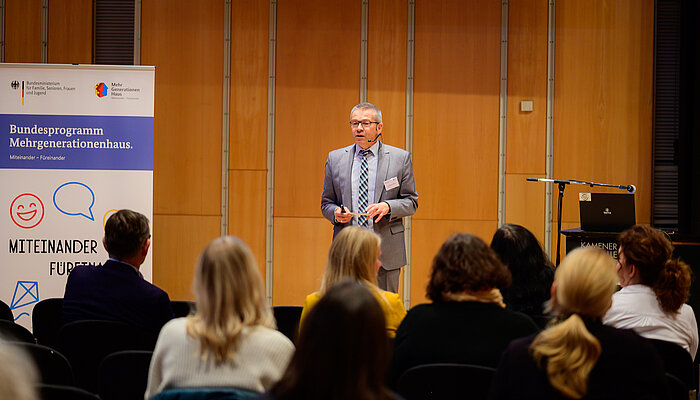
column 606, row 212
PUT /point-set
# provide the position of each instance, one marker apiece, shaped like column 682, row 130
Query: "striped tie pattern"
column 363, row 196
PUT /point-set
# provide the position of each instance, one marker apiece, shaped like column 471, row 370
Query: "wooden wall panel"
column 70, row 32
column 184, row 40
column 603, row 98
column 386, row 67
column 527, row 80
column 248, row 125
column 318, row 80
column 249, row 78
column 455, row 146
column 525, row 203
column 301, row 251
column 431, row 234
column 247, row 198
column 177, row 242
column 22, row 31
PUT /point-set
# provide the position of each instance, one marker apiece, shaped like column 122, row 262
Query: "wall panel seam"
column 269, row 228
column 225, row 118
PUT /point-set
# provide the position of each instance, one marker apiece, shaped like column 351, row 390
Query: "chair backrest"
column 206, row 394
column 46, row 321
column 58, row 392
column 13, row 332
column 677, row 361
column 124, row 375
column 6, row 312
column 446, row 381
column 53, row 366
column 86, row 343
column 288, row 320
column 182, row 308
column 676, row 387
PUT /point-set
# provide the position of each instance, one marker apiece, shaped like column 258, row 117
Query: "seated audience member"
column 354, row 254
column 467, row 322
column 579, row 357
column 231, row 340
column 116, row 291
column 343, row 350
column 529, row 266
column 18, row 374
column 654, row 290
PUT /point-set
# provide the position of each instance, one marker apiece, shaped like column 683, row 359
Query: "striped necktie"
column 363, row 196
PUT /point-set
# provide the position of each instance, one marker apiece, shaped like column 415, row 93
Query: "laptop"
column 606, row 212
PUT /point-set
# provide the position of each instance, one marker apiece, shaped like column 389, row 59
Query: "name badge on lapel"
column 391, row 184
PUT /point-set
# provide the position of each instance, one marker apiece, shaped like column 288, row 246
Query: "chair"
column 6, row 312
column 182, row 308
column 677, row 361
column 58, row 392
column 52, row 365
column 46, row 321
column 206, row 394
column 676, row 388
column 121, row 367
column 288, row 320
column 86, row 343
column 446, row 381
column 14, row 332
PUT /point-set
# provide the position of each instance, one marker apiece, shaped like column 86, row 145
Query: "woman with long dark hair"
column 529, row 266
column 342, row 351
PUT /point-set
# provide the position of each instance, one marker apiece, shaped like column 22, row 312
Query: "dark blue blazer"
column 115, row 291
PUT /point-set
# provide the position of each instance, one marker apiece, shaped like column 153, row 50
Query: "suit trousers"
column 388, row 279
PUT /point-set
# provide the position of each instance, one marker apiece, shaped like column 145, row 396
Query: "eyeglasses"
column 365, row 124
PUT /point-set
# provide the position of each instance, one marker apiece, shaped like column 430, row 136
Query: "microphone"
column 375, row 139
column 629, row 188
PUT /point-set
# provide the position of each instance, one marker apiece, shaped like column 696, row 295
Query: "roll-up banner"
column 77, row 145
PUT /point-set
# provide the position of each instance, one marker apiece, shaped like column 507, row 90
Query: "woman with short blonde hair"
column 577, row 355
column 354, row 254
column 231, row 340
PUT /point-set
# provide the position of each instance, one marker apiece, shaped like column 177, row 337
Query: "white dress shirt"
column 636, row 307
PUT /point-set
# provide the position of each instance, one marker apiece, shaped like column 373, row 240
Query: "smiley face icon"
column 27, row 210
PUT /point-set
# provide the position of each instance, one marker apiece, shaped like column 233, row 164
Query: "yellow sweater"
column 390, row 302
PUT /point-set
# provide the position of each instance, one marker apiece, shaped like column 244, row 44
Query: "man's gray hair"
column 368, row 106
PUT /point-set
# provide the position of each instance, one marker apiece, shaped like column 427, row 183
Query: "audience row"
column 483, row 301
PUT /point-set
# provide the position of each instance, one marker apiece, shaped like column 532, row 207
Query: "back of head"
column 342, row 350
column 584, row 284
column 18, row 375
column 529, row 265
column 125, row 233
column 353, row 254
column 463, row 264
column 229, row 292
column 650, row 251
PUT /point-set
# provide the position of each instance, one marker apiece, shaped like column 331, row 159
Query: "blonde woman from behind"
column 577, row 356
column 231, row 340
column 354, row 254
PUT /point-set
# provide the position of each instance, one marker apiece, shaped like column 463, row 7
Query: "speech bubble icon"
column 74, row 198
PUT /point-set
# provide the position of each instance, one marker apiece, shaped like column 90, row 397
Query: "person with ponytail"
column 655, row 287
column 577, row 357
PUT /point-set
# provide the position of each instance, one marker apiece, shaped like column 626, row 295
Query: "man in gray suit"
column 373, row 178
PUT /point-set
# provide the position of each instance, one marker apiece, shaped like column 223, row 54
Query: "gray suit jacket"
column 403, row 200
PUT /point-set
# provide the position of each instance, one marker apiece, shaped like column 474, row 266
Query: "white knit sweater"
column 261, row 359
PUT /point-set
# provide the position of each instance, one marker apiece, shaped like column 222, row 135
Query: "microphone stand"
column 562, row 185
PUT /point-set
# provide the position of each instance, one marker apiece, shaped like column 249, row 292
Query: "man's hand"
column 342, row 215
column 378, row 210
